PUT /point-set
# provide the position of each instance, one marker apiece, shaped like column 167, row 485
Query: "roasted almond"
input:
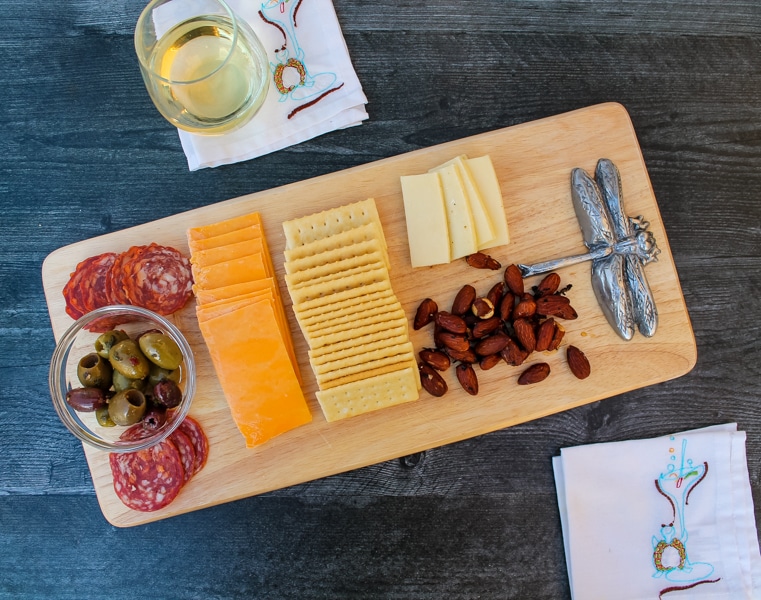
column 548, row 285
column 544, row 334
column 524, row 331
column 450, row 322
column 578, row 362
column 524, row 309
column 513, row 354
column 514, row 280
column 534, row 374
column 463, row 300
column 432, row 382
column 467, row 377
column 506, row 306
column 485, row 327
column 454, row 341
column 555, row 305
column 489, row 362
column 496, row 292
column 479, row 260
column 466, row 356
column 435, row 358
column 557, row 337
column 425, row 313
column 482, row 308
column 493, row 344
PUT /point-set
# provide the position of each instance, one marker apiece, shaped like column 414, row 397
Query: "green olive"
column 104, row 420
column 161, row 350
column 127, row 407
column 127, row 358
column 94, row 371
column 122, row 383
column 106, row 340
column 158, row 374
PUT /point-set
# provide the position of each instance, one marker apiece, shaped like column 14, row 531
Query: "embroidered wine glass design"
column 291, row 74
column 670, row 555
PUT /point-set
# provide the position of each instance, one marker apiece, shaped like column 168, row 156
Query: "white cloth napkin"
column 317, row 42
column 669, row 517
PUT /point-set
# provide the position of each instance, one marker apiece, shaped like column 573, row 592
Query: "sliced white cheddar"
column 482, row 170
column 425, row 213
column 484, row 230
column 462, row 233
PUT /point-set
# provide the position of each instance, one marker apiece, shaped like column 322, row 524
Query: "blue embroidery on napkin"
column 670, row 556
column 291, row 74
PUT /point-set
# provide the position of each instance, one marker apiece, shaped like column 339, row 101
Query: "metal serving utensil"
column 619, row 248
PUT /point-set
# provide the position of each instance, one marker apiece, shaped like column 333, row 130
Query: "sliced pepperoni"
column 149, row 479
column 87, row 289
column 186, row 450
column 191, row 428
column 158, row 278
column 115, row 277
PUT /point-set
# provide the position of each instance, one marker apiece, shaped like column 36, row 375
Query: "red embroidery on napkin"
column 315, row 101
column 285, row 38
column 697, row 483
column 677, row 588
column 295, row 12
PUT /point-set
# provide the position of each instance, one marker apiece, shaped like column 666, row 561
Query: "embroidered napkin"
column 300, row 37
column 669, row 517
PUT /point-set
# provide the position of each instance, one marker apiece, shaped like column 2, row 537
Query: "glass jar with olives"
column 141, row 370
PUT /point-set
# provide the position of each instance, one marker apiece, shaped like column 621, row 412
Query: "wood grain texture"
column 533, row 164
column 85, row 153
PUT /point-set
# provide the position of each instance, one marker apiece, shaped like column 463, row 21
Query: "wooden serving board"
column 533, row 162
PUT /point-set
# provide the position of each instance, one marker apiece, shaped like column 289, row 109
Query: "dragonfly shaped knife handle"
column 619, row 248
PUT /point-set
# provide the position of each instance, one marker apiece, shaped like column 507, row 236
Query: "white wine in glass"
column 206, row 73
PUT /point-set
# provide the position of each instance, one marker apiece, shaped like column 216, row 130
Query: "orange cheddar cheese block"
column 255, row 372
column 225, row 239
column 226, row 226
column 212, row 256
column 226, row 292
column 237, row 270
column 215, row 309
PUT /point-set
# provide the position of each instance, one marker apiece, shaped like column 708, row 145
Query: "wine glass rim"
column 142, row 56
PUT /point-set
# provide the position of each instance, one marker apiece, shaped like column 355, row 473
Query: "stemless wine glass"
column 204, row 67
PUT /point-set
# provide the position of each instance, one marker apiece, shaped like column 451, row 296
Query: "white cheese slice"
column 482, row 170
column 484, row 230
column 462, row 233
column 425, row 213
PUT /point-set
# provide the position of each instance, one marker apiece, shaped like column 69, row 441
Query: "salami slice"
column 186, row 450
column 191, row 428
column 87, row 288
column 158, row 278
column 149, row 479
column 115, row 277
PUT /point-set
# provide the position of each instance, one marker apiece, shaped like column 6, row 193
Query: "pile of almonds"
column 507, row 324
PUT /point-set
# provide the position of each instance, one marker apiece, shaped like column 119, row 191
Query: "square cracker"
column 359, row 397
column 310, row 228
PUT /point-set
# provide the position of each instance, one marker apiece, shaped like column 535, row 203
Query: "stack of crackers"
column 337, row 273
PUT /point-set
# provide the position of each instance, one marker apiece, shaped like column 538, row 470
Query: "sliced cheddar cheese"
column 239, row 306
column 255, row 372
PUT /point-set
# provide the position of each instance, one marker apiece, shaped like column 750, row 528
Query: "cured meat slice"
column 115, row 278
column 157, row 277
column 87, row 288
column 149, row 479
column 191, row 428
column 187, row 452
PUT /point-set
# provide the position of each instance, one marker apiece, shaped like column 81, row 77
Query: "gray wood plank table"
column 85, row 153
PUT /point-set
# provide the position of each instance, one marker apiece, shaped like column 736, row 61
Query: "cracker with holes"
column 337, row 274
